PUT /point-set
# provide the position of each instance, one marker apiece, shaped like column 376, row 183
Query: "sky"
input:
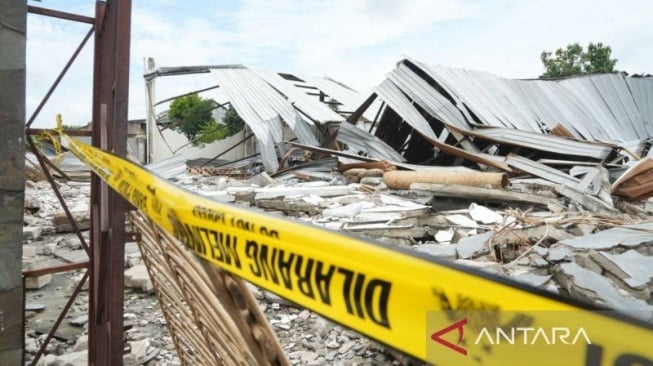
column 357, row 42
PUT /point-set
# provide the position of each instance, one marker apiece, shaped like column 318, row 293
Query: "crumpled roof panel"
column 606, row 107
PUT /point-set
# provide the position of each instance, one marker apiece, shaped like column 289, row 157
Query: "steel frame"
column 111, row 26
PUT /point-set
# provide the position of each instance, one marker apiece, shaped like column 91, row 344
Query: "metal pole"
column 110, row 98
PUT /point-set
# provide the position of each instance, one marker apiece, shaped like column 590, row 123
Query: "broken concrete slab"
column 462, row 221
column 625, row 236
column 533, row 279
column 444, row 236
column 63, row 225
column 285, row 191
column 631, row 267
column 446, row 251
column 487, row 266
column 484, row 215
column 35, row 283
column 591, row 203
column 581, row 229
column 583, row 284
column 537, row 261
column 349, row 210
column 31, row 233
column 79, row 321
column 72, row 359
column 289, row 207
column 558, row 253
column 137, row 277
column 473, row 246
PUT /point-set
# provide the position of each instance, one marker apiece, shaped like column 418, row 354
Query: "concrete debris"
column 34, row 307
column 31, row 233
column 633, row 268
column 137, row 277
column 533, row 279
column 438, row 250
column 462, row 221
column 628, row 236
column 474, row 246
column 62, row 224
column 573, row 240
column 81, row 344
column 349, row 210
column 484, row 215
column 444, row 236
column 79, row 321
column 559, row 253
column 69, row 359
column 589, row 286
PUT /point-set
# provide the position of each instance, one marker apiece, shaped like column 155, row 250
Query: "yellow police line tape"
column 428, row 308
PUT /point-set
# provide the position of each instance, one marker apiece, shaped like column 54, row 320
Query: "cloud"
column 355, row 41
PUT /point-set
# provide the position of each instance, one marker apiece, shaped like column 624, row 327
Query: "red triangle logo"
column 437, row 336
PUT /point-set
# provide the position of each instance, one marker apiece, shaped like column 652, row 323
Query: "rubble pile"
column 529, row 231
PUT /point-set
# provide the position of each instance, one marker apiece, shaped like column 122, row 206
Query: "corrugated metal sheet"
column 359, row 139
column 310, row 105
column 541, row 170
column 607, row 107
column 392, row 95
column 168, row 167
column 350, row 98
column 642, row 93
column 264, row 99
column 400, row 103
column 540, row 142
column 263, row 121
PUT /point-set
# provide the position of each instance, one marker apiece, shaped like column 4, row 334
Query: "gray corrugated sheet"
column 168, row 167
column 393, row 96
column 400, row 103
column 264, row 99
column 607, row 107
column 265, row 124
column 541, row 170
column 540, row 142
column 643, row 96
column 359, row 139
column 627, row 236
column 349, row 97
column 263, row 109
column 310, row 105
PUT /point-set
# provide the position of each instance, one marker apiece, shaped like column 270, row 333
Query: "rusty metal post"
column 110, row 97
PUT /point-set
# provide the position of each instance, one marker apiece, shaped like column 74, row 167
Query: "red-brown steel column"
column 110, row 97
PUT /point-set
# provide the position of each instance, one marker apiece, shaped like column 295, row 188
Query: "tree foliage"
column 233, row 122
column 574, row 60
column 192, row 116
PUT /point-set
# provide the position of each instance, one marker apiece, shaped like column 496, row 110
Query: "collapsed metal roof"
column 594, row 107
column 468, row 113
column 265, row 100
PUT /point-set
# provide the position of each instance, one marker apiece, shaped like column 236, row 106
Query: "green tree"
column 233, row 121
column 192, row 116
column 574, row 60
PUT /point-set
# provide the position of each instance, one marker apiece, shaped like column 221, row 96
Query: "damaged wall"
column 12, row 118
